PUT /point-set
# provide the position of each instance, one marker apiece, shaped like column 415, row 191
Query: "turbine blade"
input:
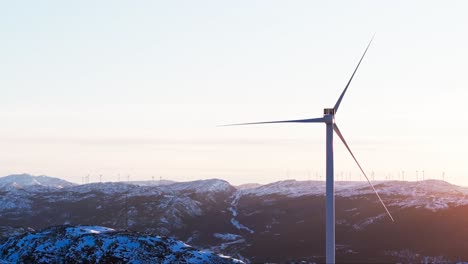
column 335, row 127
column 311, row 120
column 347, row 85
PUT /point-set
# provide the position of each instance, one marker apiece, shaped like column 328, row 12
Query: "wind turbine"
column 329, row 120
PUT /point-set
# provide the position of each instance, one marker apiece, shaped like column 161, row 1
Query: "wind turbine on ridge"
column 329, row 120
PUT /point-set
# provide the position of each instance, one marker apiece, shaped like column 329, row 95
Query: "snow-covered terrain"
column 233, row 210
column 96, row 244
column 115, row 188
column 19, row 181
column 264, row 223
column 201, row 186
column 430, row 194
column 131, row 189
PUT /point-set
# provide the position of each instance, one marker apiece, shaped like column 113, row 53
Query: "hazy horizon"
column 314, row 178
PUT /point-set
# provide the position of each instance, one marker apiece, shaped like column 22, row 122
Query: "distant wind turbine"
column 329, row 119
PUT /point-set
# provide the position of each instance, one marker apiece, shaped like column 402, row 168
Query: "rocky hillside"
column 279, row 222
column 96, row 244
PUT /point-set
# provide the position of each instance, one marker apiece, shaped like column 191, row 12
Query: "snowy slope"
column 429, row 194
column 160, row 209
column 27, row 180
column 202, row 186
column 115, row 188
column 96, row 244
column 253, row 221
column 18, row 190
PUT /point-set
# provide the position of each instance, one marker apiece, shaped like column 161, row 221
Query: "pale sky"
column 139, row 87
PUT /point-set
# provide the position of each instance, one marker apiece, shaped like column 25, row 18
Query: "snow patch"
column 233, row 210
column 227, row 236
column 80, row 230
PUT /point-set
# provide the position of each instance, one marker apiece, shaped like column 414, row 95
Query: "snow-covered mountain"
column 96, row 244
column 431, row 194
column 277, row 222
column 20, row 181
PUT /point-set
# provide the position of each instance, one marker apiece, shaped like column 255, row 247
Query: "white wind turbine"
column 329, row 119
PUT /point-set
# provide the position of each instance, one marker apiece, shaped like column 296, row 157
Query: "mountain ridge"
column 285, row 217
column 25, row 180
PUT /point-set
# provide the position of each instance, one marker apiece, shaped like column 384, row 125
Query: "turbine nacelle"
column 329, row 115
column 329, row 111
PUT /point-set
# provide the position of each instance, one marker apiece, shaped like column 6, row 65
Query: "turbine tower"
column 331, row 126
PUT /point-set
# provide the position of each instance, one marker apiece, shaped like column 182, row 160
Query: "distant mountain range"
column 27, row 180
column 281, row 222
